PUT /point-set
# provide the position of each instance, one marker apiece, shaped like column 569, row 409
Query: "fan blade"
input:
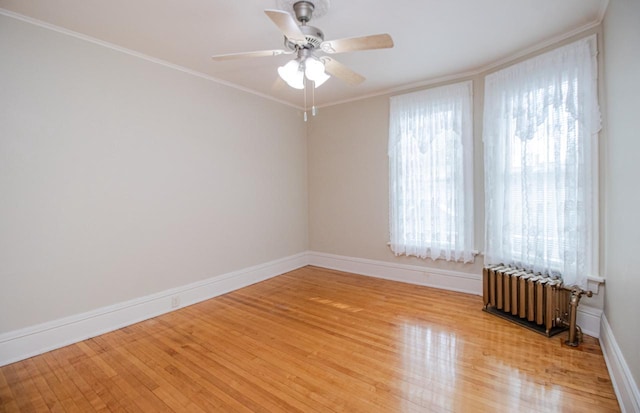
column 287, row 25
column 337, row 69
column 375, row 41
column 234, row 56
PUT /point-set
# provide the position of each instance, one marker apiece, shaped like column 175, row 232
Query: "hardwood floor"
column 316, row 340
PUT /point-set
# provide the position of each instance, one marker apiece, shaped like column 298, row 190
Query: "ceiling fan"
column 304, row 41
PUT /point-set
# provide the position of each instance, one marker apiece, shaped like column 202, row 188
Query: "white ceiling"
column 433, row 38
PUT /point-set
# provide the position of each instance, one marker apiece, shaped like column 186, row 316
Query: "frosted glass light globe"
column 292, row 74
column 314, row 70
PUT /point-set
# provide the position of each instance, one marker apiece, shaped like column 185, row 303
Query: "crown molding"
column 603, row 10
column 139, row 55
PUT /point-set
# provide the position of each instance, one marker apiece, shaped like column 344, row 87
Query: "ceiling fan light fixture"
column 314, row 69
column 292, row 74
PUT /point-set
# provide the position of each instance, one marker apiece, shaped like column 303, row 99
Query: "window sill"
column 594, row 283
column 474, row 252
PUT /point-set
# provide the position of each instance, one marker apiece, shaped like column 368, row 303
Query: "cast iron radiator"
column 535, row 301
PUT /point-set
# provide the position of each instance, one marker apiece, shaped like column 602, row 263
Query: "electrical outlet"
column 175, row 301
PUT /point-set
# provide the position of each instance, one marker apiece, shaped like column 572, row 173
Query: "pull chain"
column 314, row 110
column 304, row 80
column 313, row 99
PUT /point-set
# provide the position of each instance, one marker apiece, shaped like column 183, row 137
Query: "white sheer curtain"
column 541, row 120
column 430, row 173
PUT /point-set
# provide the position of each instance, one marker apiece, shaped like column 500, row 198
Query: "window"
column 431, row 173
column 541, row 122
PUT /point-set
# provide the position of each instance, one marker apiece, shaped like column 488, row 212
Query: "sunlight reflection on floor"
column 437, row 373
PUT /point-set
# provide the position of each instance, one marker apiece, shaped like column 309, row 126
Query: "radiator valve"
column 575, row 332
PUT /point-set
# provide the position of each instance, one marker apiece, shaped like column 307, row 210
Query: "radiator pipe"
column 575, row 332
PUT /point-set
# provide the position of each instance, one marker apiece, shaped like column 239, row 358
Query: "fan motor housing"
column 312, row 35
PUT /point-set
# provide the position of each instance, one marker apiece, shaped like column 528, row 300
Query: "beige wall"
column 120, row 177
column 622, row 197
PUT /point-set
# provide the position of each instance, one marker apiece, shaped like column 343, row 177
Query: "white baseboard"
column 24, row 343
column 412, row 274
column 624, row 385
column 589, row 320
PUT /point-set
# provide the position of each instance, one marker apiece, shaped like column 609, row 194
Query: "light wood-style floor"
column 315, row 340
